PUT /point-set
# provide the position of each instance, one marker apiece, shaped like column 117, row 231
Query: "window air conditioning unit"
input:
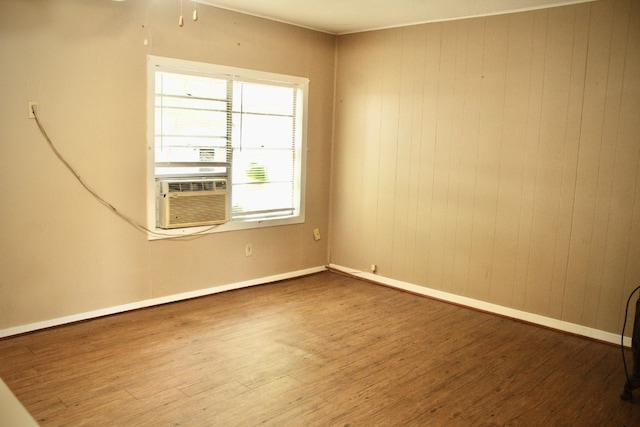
column 191, row 202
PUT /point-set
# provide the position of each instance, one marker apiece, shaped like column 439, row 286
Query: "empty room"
column 319, row 212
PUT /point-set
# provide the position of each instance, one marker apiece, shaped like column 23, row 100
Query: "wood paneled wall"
column 496, row 158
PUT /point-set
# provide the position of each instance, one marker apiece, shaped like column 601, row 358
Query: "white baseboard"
column 155, row 301
column 548, row 322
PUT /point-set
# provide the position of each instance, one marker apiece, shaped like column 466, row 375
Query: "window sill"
column 221, row 228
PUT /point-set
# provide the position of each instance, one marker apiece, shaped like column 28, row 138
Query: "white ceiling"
column 351, row 16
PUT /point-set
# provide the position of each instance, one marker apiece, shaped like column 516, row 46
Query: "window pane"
column 251, row 166
column 257, row 131
column 261, row 98
column 179, row 150
column 190, row 103
column 164, row 142
column 179, row 171
column 184, row 122
column 262, row 197
column 190, row 85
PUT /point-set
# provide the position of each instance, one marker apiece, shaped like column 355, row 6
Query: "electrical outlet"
column 248, row 249
column 316, row 234
column 33, row 109
column 374, row 268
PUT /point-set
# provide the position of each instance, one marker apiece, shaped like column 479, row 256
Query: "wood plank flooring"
column 322, row 350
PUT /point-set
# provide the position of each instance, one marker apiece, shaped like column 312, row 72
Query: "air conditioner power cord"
column 100, row 199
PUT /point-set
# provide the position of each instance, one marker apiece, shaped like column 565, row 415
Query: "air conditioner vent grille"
column 190, row 203
column 195, row 209
column 176, row 187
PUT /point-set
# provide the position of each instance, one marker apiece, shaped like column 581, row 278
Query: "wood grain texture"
column 325, row 350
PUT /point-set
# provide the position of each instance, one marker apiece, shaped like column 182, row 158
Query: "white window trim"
column 159, row 233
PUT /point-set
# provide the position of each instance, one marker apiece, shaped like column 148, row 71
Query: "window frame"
column 190, row 67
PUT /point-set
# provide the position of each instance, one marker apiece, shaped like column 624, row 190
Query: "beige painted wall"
column 62, row 253
column 496, row 158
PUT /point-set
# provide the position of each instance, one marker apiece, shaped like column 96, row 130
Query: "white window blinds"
column 244, row 129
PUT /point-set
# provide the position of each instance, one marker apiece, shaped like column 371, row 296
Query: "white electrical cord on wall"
column 100, row 199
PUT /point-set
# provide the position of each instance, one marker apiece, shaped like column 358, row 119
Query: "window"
column 244, row 126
